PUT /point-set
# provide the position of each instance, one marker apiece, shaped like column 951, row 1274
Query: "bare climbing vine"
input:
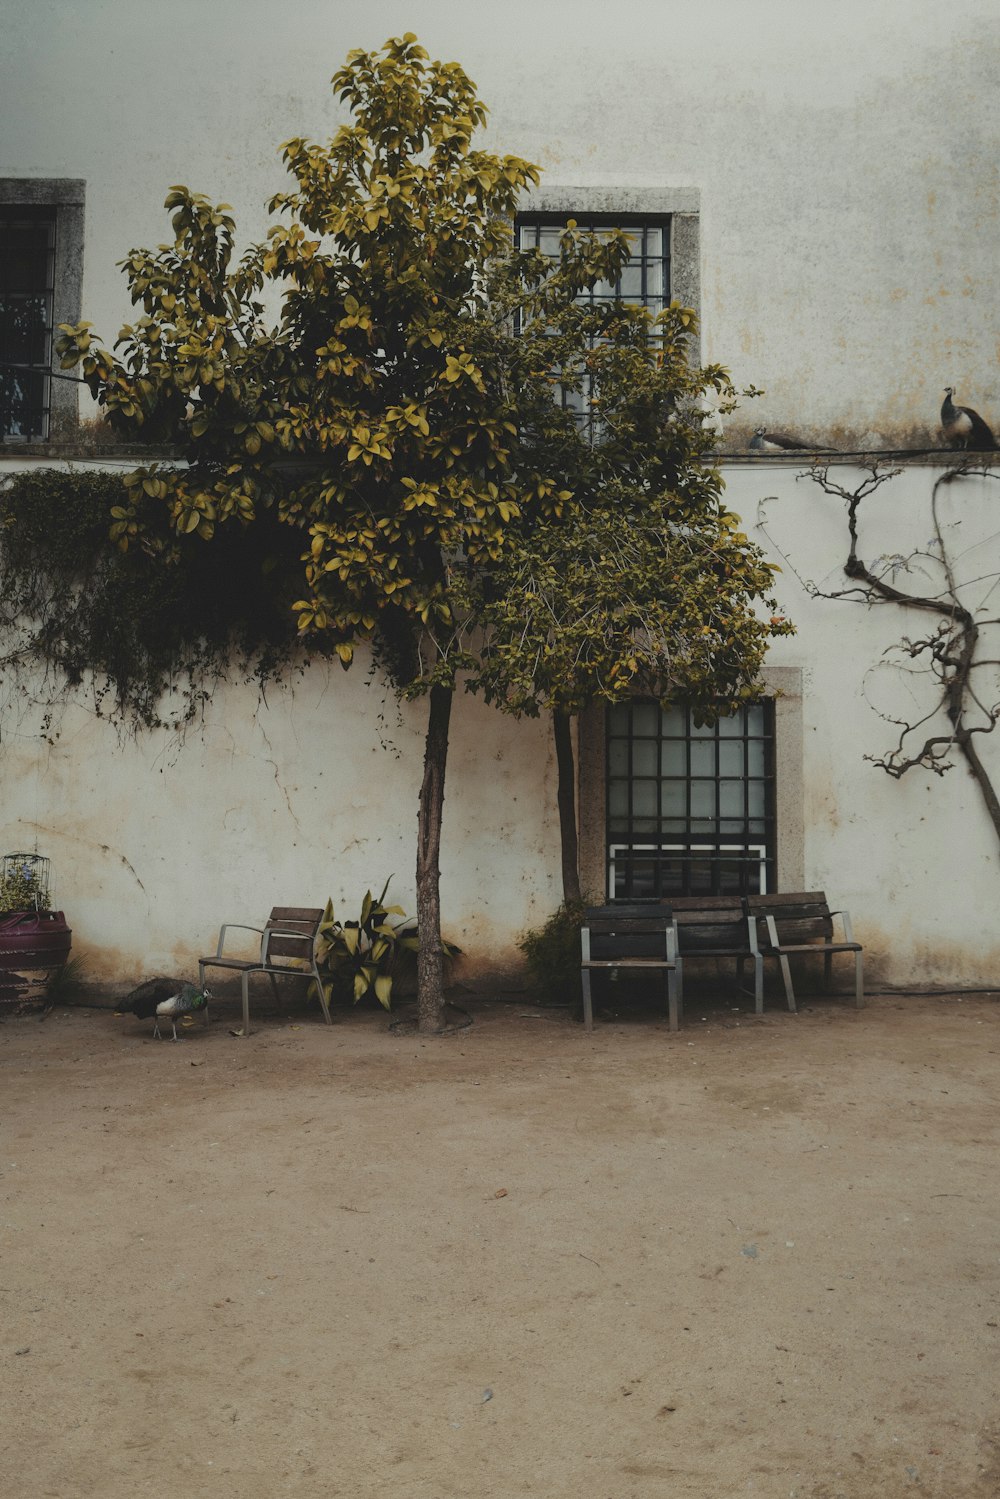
column 948, row 653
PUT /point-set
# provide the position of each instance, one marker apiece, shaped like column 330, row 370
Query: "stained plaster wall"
column 310, row 794
column 314, row 792
column 846, row 158
column 845, row 164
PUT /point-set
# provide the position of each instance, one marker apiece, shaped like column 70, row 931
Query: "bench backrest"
column 803, row 916
column 303, row 923
column 711, row 924
column 624, row 931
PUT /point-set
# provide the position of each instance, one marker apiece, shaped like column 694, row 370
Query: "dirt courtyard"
column 759, row 1257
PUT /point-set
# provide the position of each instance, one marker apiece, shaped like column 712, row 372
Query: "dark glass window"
column 27, row 279
column 644, row 281
column 690, row 810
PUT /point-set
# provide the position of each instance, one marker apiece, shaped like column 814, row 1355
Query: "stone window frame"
column 684, row 798
column 681, row 205
column 784, row 685
column 67, row 196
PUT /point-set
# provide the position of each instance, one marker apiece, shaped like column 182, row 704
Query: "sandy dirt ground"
column 760, row 1257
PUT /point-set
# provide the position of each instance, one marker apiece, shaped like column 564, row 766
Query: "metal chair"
column 717, row 926
column 802, row 922
column 629, row 937
column 287, row 946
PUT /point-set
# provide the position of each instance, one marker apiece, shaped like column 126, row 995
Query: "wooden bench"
column 287, row 946
column 637, row 937
column 717, row 926
column 802, row 922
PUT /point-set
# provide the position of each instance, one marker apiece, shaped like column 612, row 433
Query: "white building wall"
column 846, row 155
column 845, row 159
column 308, row 795
column 314, row 792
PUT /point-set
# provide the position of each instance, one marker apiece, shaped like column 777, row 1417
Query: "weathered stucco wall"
column 846, row 157
column 315, row 792
column 310, row 795
column 845, row 162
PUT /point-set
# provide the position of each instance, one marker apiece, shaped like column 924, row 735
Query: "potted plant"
column 357, row 958
column 32, row 935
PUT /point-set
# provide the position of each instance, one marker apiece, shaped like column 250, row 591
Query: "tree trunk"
column 430, row 959
column 566, row 796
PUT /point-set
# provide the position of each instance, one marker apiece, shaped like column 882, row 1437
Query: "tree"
column 399, row 419
column 394, row 417
column 634, row 603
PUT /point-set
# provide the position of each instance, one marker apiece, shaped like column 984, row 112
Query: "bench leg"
column 827, row 972
column 673, row 999
column 246, row 1002
column 322, row 996
column 786, row 975
column 588, row 1006
column 859, row 982
column 758, row 982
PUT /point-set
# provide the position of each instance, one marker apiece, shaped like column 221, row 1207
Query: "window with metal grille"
column 27, row 287
column 690, row 810
column 644, row 281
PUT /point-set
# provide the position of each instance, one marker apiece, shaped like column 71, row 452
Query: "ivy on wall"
column 148, row 634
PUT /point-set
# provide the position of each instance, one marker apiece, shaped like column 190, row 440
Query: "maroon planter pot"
column 34, row 939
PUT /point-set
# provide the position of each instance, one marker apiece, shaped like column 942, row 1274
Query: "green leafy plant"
column 552, row 952
column 21, row 889
column 357, row 958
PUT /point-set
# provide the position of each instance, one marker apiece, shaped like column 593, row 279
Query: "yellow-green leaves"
column 392, row 423
column 124, row 527
column 360, row 957
column 368, row 445
column 462, row 367
column 411, row 416
column 355, row 316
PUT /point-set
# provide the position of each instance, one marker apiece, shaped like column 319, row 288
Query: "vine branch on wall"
column 947, row 652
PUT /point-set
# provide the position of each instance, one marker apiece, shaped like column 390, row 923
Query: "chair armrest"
column 671, row 933
column 585, row 944
column 234, row 926
column 772, row 931
column 752, row 934
column 846, row 919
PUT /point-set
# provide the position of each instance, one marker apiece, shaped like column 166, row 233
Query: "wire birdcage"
column 24, row 882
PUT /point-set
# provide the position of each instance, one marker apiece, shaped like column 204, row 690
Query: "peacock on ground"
column 160, row 999
column 963, row 427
